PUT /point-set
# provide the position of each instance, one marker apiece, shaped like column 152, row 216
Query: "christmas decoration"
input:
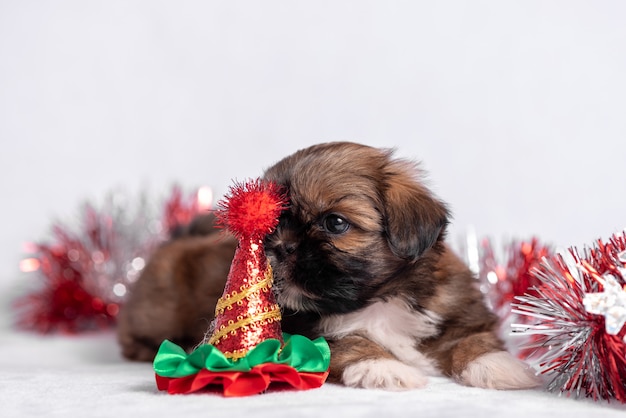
column 505, row 274
column 85, row 271
column 246, row 350
column 576, row 317
column 504, row 279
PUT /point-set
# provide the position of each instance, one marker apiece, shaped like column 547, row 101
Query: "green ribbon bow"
column 298, row 352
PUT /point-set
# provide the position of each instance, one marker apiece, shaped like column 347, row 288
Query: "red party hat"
column 246, row 351
column 247, row 313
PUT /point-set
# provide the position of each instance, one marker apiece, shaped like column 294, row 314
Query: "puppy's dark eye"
column 335, row 224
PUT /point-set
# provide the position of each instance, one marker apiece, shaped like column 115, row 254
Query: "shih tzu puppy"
column 359, row 258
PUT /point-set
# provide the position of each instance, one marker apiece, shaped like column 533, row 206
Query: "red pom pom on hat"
column 251, row 210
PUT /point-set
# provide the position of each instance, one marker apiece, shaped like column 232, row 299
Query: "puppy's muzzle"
column 285, row 249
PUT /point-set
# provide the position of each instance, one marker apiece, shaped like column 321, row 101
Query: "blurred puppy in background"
column 359, row 258
column 175, row 296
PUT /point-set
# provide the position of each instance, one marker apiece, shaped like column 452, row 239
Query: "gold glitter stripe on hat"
column 230, row 299
column 273, row 314
column 236, row 354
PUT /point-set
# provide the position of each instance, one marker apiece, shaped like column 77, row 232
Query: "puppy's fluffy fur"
column 359, row 258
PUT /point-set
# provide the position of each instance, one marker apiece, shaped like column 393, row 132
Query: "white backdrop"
column 517, row 109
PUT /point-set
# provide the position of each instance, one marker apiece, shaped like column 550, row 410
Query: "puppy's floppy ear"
column 414, row 218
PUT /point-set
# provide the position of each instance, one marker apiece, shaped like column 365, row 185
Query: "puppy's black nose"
column 290, row 247
column 284, row 249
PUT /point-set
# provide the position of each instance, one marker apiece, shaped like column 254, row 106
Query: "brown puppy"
column 359, row 258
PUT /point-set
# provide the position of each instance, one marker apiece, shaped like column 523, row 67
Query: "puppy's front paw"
column 385, row 374
column 499, row 370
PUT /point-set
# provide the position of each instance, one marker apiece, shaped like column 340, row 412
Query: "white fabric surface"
column 84, row 376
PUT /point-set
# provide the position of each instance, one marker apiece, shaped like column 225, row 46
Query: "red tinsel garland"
column 85, row 271
column 504, row 273
column 506, row 277
column 571, row 343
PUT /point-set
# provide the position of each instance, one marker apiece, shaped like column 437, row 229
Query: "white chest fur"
column 391, row 324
